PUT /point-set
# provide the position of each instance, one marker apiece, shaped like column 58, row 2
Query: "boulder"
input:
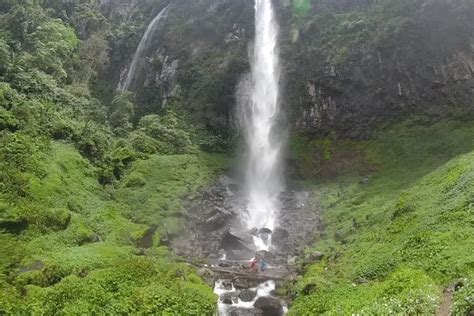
column 208, row 276
column 270, row 306
column 233, row 239
column 247, row 295
column 265, row 231
column 279, row 236
column 227, row 284
column 240, row 254
column 242, row 283
column 253, row 231
column 263, row 254
column 240, row 311
column 314, row 257
column 229, row 298
column 218, row 219
column 224, row 264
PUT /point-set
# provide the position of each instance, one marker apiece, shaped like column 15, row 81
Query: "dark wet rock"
column 266, row 255
column 227, row 284
column 239, row 311
column 253, row 231
column 218, row 219
column 314, row 257
column 247, row 295
column 265, row 231
column 242, row 283
column 437, row 84
column 269, row 305
column 233, row 239
column 279, row 236
column 240, row 254
column 208, row 276
column 229, row 298
column 224, row 264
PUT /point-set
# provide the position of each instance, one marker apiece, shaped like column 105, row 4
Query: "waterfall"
column 125, row 84
column 263, row 180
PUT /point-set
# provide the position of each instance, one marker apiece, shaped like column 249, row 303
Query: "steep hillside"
column 69, row 246
column 78, row 232
column 399, row 224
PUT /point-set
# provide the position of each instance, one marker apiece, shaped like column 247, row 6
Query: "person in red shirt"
column 253, row 265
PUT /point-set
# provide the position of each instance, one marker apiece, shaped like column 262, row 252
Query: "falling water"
column 125, row 84
column 263, row 173
column 259, row 101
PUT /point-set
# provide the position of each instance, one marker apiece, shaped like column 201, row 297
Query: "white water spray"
column 125, row 84
column 263, row 173
column 261, row 111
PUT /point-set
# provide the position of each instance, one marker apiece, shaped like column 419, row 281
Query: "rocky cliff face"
column 196, row 55
column 348, row 66
column 351, row 72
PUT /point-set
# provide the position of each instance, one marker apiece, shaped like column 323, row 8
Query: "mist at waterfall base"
column 125, row 83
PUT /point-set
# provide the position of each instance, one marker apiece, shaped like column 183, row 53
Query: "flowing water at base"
column 264, row 289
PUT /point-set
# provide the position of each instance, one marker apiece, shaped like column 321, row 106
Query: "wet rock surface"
column 218, row 241
column 229, row 298
column 247, row 295
column 240, row 311
column 215, row 225
column 270, row 306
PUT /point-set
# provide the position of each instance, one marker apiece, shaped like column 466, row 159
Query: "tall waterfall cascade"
column 263, row 180
column 137, row 57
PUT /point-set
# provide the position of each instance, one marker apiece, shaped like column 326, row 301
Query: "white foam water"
column 260, row 113
column 263, row 180
column 124, row 85
column 264, row 289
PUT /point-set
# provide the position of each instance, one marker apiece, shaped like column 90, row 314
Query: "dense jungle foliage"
column 93, row 181
column 83, row 180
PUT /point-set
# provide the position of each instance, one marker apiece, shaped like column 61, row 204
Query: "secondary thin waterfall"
column 264, row 168
column 125, row 84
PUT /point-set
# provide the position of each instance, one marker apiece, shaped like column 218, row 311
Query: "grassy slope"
column 153, row 188
column 79, row 253
column 393, row 244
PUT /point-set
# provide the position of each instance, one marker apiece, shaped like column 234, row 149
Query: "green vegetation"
column 301, row 7
column 154, row 188
column 93, row 182
column 77, row 253
column 393, row 242
column 88, row 190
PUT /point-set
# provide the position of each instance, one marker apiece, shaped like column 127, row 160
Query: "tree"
column 122, row 113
